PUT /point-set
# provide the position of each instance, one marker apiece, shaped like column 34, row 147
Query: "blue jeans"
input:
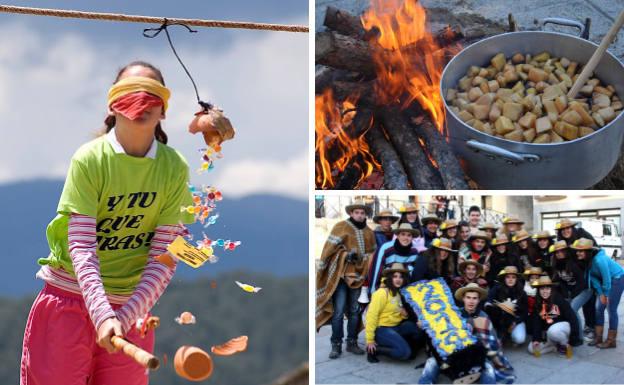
column 395, row 338
column 617, row 287
column 432, row 369
column 345, row 302
column 577, row 302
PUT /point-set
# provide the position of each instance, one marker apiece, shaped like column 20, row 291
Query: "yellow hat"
column 559, row 245
column 459, row 294
column 443, row 244
column 500, row 240
column 543, row 235
column 583, row 244
column 385, row 214
column 511, row 220
column 509, row 270
column 544, row 280
column 520, row 236
column 448, row 224
column 564, row 223
column 409, row 208
column 488, row 226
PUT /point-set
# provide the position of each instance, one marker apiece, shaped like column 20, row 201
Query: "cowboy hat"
column 448, row 224
column 462, row 266
column 430, row 218
column 479, row 235
column 385, row 214
column 358, row 205
column 407, row 228
column 533, row 270
column 443, row 244
column 564, row 223
column 512, row 220
column 488, row 226
column 500, row 240
column 459, row 294
column 507, row 306
column 408, row 208
column 559, row 245
column 520, row 236
column 544, row 280
column 543, row 235
column 509, row 270
column 394, row 268
column 583, row 244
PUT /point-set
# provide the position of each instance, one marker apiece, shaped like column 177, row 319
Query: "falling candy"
column 186, row 318
column 212, row 220
column 233, row 346
column 248, row 288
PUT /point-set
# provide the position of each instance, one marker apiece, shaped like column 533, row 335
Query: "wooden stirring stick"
column 144, row 358
column 595, row 59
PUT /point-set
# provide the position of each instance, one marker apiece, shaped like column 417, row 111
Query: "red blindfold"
column 133, row 105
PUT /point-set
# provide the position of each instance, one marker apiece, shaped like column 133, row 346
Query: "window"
column 606, row 229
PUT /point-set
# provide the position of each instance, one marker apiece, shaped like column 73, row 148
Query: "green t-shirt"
column 129, row 197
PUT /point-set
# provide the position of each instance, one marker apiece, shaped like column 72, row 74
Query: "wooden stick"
column 142, row 357
column 595, row 59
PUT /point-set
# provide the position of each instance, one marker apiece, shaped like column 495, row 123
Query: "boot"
column 372, row 358
column 353, row 347
column 598, row 340
column 336, row 351
column 610, row 342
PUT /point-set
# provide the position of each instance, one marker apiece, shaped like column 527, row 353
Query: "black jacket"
column 500, row 293
column 498, row 262
column 563, row 313
column 570, row 277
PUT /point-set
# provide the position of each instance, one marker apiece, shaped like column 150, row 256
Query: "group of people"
column 509, row 285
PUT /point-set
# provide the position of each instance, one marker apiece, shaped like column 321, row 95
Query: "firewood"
column 451, row 172
column 394, row 173
column 343, row 52
column 346, row 23
column 350, row 175
column 420, row 171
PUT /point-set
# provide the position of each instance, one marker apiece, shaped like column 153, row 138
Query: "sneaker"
column 587, row 330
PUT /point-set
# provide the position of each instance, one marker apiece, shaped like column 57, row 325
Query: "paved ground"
column 588, row 366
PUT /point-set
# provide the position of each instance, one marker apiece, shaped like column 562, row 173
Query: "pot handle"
column 492, row 152
column 583, row 28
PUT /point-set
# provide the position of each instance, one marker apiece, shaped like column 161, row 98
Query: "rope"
column 151, row 19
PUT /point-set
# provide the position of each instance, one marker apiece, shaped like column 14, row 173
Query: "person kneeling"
column 553, row 316
column 388, row 331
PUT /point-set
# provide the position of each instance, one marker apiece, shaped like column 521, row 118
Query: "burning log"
column 451, row 172
column 345, row 23
column 363, row 90
column 343, row 52
column 420, row 171
column 351, row 175
column 393, row 171
column 361, row 121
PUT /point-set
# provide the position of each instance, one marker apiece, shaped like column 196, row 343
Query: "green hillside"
column 275, row 319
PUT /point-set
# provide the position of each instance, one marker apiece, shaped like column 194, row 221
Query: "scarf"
column 359, row 225
column 401, row 250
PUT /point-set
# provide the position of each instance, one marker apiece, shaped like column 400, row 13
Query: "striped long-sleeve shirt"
column 82, row 248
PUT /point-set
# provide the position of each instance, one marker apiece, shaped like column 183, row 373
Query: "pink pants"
column 60, row 348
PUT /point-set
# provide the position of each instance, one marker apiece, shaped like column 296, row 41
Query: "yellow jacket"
column 383, row 310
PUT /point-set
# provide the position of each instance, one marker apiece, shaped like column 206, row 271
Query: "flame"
column 333, row 142
column 408, row 59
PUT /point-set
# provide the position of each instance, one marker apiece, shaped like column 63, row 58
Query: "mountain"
column 273, row 231
column 275, row 320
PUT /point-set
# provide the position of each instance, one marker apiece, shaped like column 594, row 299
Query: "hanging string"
column 153, row 32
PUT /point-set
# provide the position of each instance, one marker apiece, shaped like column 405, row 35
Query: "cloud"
column 53, row 91
column 249, row 176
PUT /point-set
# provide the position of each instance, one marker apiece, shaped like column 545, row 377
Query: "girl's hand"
column 604, row 299
column 110, row 327
column 486, row 268
column 403, row 312
column 371, row 347
column 536, row 345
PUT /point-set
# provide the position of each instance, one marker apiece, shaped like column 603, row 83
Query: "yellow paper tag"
column 187, row 253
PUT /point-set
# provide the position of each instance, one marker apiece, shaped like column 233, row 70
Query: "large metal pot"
column 496, row 163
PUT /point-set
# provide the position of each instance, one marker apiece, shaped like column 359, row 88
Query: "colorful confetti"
column 248, row 288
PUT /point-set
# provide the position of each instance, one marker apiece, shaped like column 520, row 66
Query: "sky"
column 55, row 74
